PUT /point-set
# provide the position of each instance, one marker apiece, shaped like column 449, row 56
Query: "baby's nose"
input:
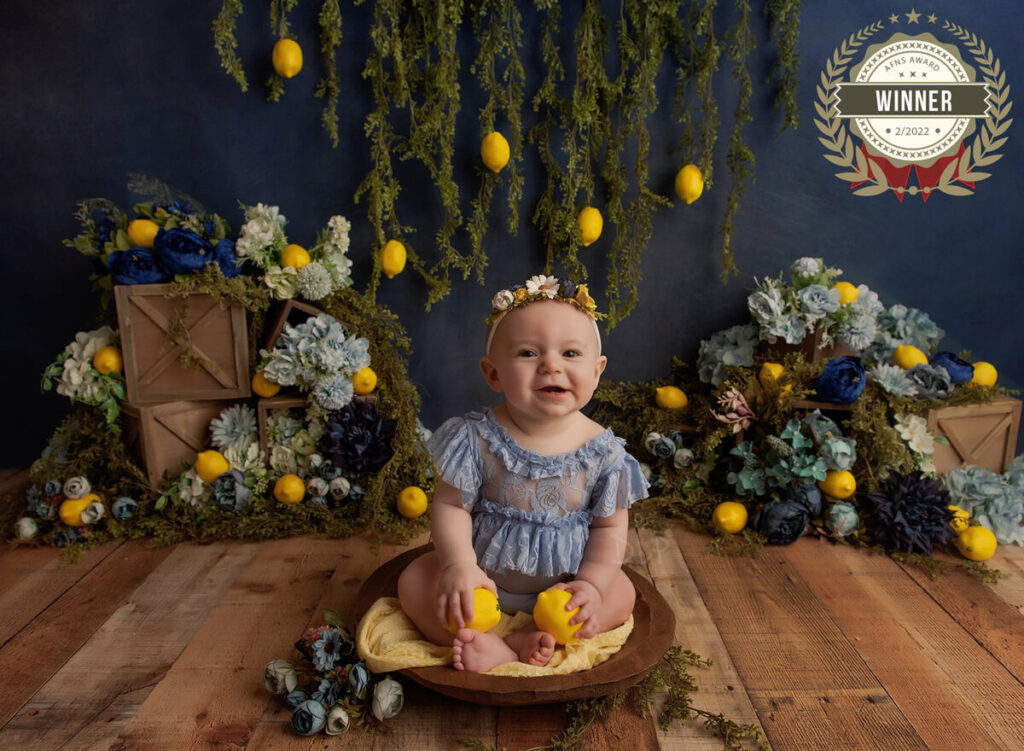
column 550, row 362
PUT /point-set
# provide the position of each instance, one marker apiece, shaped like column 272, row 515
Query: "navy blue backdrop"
column 93, row 91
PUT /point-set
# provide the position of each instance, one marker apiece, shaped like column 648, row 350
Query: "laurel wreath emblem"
column 982, row 152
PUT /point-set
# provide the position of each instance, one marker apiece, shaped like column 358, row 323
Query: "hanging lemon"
column 262, row 387
column 551, row 616
column 210, row 465
column 289, row 489
column 689, row 183
column 287, row 57
column 486, row 612
column 959, row 522
column 364, row 381
column 412, row 502
column 907, row 356
column 670, row 397
column 838, row 483
column 590, row 222
column 107, row 360
column 294, row 257
column 142, row 232
column 70, row 511
column 984, row 374
column 729, row 517
column 847, row 292
column 976, row 543
column 494, row 151
column 392, row 258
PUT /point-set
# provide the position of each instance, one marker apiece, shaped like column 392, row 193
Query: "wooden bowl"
column 653, row 631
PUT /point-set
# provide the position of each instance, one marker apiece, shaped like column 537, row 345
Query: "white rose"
column 26, row 528
column 337, row 720
column 279, row 677
column 340, row 488
column 502, row 300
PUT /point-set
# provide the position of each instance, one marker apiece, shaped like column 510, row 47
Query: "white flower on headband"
column 502, row 300
column 540, row 284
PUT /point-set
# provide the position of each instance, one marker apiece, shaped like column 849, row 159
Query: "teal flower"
column 893, row 379
column 235, row 428
column 839, row 453
column 731, row 347
column 327, row 649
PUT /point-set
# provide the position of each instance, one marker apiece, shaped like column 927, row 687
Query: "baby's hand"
column 455, row 591
column 588, row 599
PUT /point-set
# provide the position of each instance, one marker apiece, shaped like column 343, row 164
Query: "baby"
column 532, row 494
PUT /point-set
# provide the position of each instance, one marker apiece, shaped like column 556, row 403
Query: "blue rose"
column 809, row 496
column 180, row 251
column 839, row 453
column 135, row 266
column 783, row 522
column 842, row 380
column 53, row 488
column 818, row 301
column 841, row 519
column 357, row 678
column 932, row 382
column 124, row 508
column 230, row 492
column 229, row 262
column 959, row 371
column 309, row 717
column 296, row 697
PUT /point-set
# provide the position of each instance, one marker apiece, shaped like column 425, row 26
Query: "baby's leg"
column 417, row 591
column 617, row 601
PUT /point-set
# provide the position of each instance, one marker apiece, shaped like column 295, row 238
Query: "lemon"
column 551, row 616
column 142, row 232
column 412, row 502
column 959, row 520
column 262, row 387
column 769, row 373
column 590, row 222
column 907, row 356
column 289, row 489
column 486, row 612
column 364, row 381
column 838, row 483
column 70, row 511
column 670, row 397
column 107, row 360
column 287, row 57
column 847, row 292
column 294, row 256
column 392, row 258
column 976, row 543
column 689, row 183
column 984, row 374
column 494, row 151
column 210, row 465
column 729, row 517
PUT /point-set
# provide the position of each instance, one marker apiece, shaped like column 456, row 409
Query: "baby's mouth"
column 553, row 390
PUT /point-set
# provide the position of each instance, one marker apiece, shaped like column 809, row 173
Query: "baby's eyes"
column 526, row 353
column 571, row 353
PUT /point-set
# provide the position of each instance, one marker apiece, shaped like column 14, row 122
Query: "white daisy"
column 540, row 284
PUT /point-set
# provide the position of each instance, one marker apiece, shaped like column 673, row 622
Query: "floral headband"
column 538, row 288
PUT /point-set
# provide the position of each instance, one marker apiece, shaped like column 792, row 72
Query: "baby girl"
column 531, row 494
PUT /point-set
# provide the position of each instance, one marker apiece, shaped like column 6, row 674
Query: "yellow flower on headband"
column 521, row 294
column 584, row 299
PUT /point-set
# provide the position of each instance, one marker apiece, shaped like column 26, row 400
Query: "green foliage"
column 225, row 42
column 784, row 17
column 698, row 53
column 329, row 88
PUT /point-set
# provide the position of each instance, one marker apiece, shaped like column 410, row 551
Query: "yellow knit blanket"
column 387, row 640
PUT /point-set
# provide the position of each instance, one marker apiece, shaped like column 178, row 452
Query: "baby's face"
column 544, row 358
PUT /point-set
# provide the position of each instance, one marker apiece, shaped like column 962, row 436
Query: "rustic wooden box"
column 292, row 312
column 153, row 368
column 984, row 435
column 166, row 435
column 265, row 406
column 810, row 347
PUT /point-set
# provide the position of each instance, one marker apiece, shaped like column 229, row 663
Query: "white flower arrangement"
column 75, row 376
column 913, row 429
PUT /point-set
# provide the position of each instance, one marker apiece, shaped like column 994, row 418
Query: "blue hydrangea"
column 911, row 326
column 867, row 302
column 790, row 328
column 995, row 501
column 804, row 267
column 817, row 301
column 857, row 332
column 732, row 346
column 766, row 305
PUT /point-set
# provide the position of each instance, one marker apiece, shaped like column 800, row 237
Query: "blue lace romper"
column 531, row 512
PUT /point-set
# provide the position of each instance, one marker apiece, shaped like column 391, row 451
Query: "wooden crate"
column 154, row 372
column 166, row 435
column 292, row 312
column 265, row 406
column 810, row 347
column 984, row 435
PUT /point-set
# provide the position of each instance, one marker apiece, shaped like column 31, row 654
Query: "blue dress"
column 531, row 512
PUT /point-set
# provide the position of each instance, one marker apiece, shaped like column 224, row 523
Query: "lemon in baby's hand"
column 689, row 183
column 960, row 520
column 907, row 356
column 486, row 612
column 412, row 502
column 494, row 151
column 108, row 360
column 364, row 381
column 287, row 58
column 294, row 256
column 847, row 292
column 976, row 543
column 984, row 374
column 289, row 489
column 142, row 232
column 262, row 387
column 210, row 465
column 838, row 483
column 551, row 616
column 729, row 517
column 670, row 397
column 591, row 223
column 392, row 258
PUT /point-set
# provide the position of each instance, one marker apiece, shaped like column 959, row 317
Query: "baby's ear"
column 491, row 374
column 602, row 363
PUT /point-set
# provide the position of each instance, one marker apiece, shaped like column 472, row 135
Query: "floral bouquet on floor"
column 89, row 371
column 328, row 688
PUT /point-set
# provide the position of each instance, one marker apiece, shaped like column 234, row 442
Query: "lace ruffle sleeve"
column 456, row 452
column 620, row 485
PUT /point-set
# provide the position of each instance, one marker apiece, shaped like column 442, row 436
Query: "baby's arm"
column 451, row 529
column 601, row 567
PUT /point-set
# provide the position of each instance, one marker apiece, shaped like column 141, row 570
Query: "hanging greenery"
column 225, row 43
column 329, row 88
column 698, row 53
column 784, row 18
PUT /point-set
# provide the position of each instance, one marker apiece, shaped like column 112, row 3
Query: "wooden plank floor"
column 823, row 646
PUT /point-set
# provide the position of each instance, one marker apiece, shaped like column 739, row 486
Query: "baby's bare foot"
column 532, row 647
column 479, row 652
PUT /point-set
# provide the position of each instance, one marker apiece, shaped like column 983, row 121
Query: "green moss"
column 329, row 87
column 225, row 42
